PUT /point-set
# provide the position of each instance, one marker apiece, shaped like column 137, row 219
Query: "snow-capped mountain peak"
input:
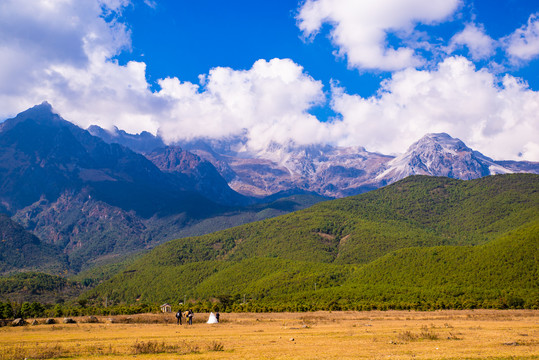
column 339, row 171
column 440, row 155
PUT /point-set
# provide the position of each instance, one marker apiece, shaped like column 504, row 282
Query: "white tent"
column 212, row 319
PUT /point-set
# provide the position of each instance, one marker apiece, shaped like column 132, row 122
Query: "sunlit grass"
column 479, row 334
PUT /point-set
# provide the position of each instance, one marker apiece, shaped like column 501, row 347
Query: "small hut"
column 166, row 308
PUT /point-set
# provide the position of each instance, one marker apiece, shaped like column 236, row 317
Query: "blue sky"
column 188, row 38
column 341, row 72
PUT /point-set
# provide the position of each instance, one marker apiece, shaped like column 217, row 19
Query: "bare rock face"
column 343, row 171
column 325, row 170
column 80, row 225
column 337, row 171
column 196, row 173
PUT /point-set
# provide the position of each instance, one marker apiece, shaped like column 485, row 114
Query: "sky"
column 378, row 74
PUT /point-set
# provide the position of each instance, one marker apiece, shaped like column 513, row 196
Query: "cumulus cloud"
column 360, row 28
column 65, row 52
column 479, row 44
column 266, row 103
column 523, row 44
column 498, row 119
column 61, row 51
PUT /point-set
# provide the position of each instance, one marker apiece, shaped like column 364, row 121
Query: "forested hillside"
column 21, row 250
column 421, row 242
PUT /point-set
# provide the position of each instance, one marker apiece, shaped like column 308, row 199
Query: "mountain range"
column 76, row 199
column 327, row 170
column 98, row 195
column 94, row 200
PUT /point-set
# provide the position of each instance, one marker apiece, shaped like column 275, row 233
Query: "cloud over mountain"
column 66, row 53
column 266, row 103
column 470, row 104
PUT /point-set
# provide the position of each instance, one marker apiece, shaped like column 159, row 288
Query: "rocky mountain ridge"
column 91, row 199
column 338, row 171
column 94, row 200
column 441, row 155
column 345, row 171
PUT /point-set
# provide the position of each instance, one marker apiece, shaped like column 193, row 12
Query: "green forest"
column 421, row 243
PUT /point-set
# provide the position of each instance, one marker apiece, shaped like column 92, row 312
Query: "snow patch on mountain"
column 440, row 155
column 336, row 171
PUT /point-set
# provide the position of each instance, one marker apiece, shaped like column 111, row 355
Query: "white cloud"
column 523, row 44
column 499, row 120
column 103, row 93
column 266, row 103
column 479, row 44
column 360, row 28
column 151, row 3
column 61, row 51
column 63, row 55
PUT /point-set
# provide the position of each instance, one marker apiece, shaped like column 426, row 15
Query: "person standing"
column 190, row 316
column 179, row 317
column 217, row 316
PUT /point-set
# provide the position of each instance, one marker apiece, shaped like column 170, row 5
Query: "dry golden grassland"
column 471, row 334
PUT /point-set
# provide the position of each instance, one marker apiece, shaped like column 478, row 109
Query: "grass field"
column 470, row 334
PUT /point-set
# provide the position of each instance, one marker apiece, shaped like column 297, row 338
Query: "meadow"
column 446, row 334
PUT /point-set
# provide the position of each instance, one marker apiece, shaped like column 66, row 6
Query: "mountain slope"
column 509, row 258
column 43, row 155
column 189, row 169
column 335, row 243
column 502, row 273
column 441, row 155
column 88, row 197
column 201, row 175
column 21, row 250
